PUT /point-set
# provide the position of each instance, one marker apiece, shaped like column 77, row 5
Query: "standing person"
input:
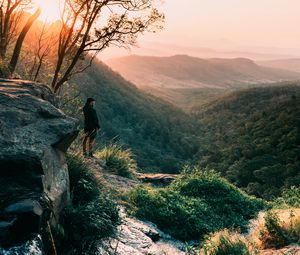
column 91, row 127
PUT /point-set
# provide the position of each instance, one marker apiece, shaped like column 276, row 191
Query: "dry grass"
column 228, row 242
column 288, row 221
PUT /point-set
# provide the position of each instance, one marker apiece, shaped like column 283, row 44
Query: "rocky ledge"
column 140, row 238
column 34, row 179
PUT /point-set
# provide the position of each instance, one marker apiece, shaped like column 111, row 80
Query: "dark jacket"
column 91, row 121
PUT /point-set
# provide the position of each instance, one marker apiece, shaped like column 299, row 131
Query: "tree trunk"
column 19, row 43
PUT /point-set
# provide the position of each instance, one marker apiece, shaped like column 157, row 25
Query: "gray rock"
column 27, row 221
column 34, row 136
column 134, row 237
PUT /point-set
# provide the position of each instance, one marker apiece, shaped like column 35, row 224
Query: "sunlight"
column 50, row 10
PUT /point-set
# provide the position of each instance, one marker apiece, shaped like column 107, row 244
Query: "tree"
column 20, row 40
column 11, row 17
column 85, row 31
column 41, row 50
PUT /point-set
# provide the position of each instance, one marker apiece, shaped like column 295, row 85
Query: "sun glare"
column 50, row 10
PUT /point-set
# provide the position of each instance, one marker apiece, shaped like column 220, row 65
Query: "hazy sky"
column 265, row 26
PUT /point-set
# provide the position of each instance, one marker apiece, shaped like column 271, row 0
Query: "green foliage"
column 289, row 198
column 93, row 214
column 256, row 138
column 118, row 160
column 234, row 206
column 91, row 221
column 83, row 184
column 275, row 235
column 225, row 243
column 195, row 204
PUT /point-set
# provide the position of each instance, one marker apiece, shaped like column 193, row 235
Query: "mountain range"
column 189, row 82
column 183, row 71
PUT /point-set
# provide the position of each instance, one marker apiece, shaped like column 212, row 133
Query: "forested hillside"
column 251, row 136
column 162, row 137
column 256, row 136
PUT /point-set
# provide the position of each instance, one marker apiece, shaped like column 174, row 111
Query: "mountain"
column 183, row 71
column 291, row 64
column 189, row 82
column 162, row 137
column 255, row 138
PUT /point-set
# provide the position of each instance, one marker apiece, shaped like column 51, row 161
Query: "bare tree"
column 11, row 12
column 42, row 49
column 13, row 29
column 86, row 31
column 20, row 40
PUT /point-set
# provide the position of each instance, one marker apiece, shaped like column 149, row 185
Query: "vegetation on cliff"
column 93, row 214
column 196, row 204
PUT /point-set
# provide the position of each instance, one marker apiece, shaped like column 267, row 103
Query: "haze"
column 261, row 29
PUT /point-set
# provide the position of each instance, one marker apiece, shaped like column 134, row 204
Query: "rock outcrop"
column 34, row 179
column 140, row 238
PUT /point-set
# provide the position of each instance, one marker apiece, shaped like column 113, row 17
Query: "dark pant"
column 89, row 140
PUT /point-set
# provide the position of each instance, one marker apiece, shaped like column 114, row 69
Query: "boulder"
column 27, row 219
column 34, row 136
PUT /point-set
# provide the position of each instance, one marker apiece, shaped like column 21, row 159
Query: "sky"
column 262, row 26
column 194, row 26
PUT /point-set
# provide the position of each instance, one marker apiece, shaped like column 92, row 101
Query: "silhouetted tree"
column 89, row 26
column 11, row 14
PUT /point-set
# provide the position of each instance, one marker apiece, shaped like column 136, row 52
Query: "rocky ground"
column 137, row 238
column 133, row 237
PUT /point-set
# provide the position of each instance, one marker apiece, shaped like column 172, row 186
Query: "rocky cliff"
column 34, row 179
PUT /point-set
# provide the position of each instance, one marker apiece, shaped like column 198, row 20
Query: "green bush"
column 196, row 204
column 230, row 203
column 290, row 197
column 225, row 243
column 118, row 160
column 183, row 218
column 93, row 215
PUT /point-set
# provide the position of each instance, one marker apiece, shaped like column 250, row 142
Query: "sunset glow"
column 50, row 9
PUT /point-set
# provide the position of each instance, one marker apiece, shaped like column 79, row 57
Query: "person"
column 91, row 127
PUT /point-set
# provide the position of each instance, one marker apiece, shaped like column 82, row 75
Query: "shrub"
column 118, row 160
column 290, row 197
column 183, row 218
column 226, row 242
column 232, row 205
column 195, row 204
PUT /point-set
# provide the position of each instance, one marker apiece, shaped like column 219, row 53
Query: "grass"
column 93, row 214
column 276, row 228
column 227, row 242
column 118, row 160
